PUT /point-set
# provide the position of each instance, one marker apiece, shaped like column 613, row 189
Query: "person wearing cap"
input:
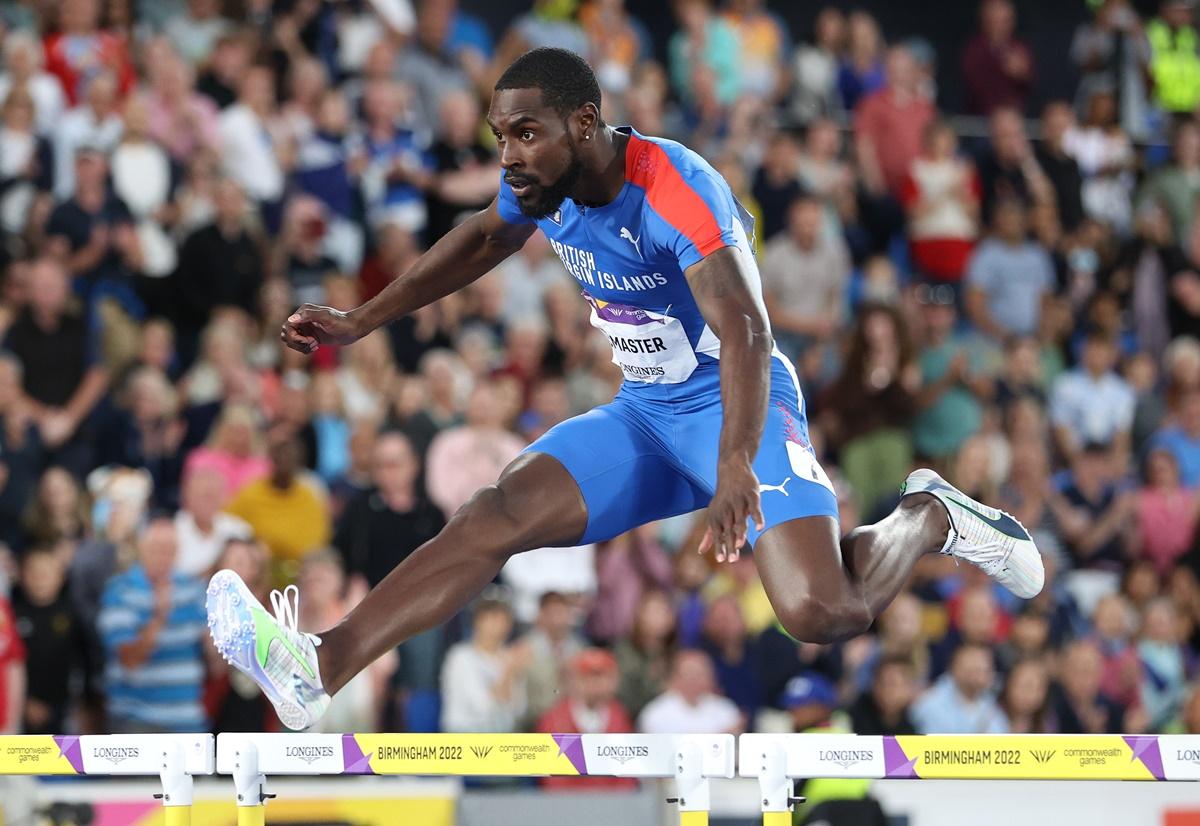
column 811, row 699
column 590, row 707
column 953, row 378
column 1175, row 58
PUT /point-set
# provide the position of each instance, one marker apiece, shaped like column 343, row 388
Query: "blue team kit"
column 652, row 452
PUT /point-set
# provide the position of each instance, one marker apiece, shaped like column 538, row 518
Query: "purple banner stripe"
column 353, row 759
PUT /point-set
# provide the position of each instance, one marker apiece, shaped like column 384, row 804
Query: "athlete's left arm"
column 721, row 284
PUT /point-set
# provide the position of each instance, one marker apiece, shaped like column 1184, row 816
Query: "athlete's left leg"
column 824, row 589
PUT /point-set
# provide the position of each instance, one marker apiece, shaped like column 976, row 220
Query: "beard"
column 543, row 199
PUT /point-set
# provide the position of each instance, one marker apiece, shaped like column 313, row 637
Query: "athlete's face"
column 538, row 149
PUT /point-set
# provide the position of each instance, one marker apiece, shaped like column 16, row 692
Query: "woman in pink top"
column 234, row 449
column 1166, row 513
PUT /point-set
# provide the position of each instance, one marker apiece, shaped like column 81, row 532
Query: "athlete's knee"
column 489, row 522
column 824, row 619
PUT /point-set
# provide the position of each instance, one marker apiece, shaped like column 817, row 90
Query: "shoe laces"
column 286, row 605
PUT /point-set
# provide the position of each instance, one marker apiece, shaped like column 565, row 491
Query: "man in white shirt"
column 249, row 153
column 690, row 705
column 1091, row 403
column 95, row 123
column 200, row 526
column 483, row 678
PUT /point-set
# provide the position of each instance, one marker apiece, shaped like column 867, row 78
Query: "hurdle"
column 173, row 758
column 691, row 760
column 778, row 759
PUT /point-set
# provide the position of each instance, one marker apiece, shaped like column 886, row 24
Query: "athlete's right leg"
column 535, row 504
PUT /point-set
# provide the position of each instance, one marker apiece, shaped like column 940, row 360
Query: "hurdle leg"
column 774, row 784
column 691, row 785
column 177, row 787
column 250, row 785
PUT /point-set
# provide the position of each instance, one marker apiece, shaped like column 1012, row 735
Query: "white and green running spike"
column 270, row 649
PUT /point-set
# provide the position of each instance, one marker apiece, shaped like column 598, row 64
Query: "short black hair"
column 564, row 78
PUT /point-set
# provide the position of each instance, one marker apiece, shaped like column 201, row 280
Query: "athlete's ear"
column 584, row 122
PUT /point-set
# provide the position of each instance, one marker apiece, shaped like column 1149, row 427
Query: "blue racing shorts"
column 651, row 453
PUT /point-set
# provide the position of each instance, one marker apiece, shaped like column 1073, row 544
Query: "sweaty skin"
column 821, row 591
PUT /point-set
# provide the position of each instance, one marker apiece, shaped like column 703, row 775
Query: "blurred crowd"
column 1018, row 309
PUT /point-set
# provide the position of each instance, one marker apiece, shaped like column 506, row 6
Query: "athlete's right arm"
column 461, row 256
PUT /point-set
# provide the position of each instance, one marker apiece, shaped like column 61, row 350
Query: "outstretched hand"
column 311, row 326
column 735, row 502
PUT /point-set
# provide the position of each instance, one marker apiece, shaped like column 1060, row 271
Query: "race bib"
column 648, row 347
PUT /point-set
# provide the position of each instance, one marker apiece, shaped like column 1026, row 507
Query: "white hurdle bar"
column 174, row 758
column 778, row 759
column 690, row 759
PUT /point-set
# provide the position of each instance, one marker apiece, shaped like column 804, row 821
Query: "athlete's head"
column 545, row 113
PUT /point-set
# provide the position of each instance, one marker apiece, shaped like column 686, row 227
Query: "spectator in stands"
column 776, row 183
column 1025, row 698
column 464, row 459
column 1114, row 623
column 704, row 52
column 26, row 165
column 23, row 67
column 227, row 65
column 1166, row 513
column 815, row 84
column 62, row 379
column 1058, row 166
column 201, row 529
column 439, row 60
column 1008, row 277
column 962, row 701
column 95, row 123
column 152, row 621
column 941, row 196
column 590, row 706
column 628, row 568
column 1182, row 438
column 1177, row 185
column 861, row 71
column 1008, row 169
column 53, row 641
column 255, row 153
column 1092, row 508
column 220, row 265
column 1105, row 156
column 953, row 378
column 691, row 704
column 645, row 655
column 805, row 274
column 997, row 66
column 234, row 450
column 483, row 679
column 765, row 44
column 465, row 170
column 886, row 707
column 80, row 49
column 1164, row 663
column 1077, row 703
column 56, row 511
column 553, row 643
column 286, row 509
column 1091, row 403
column 195, row 33
column 20, row 452
column 147, row 432
column 399, row 168
column 889, row 124
column 866, row 411
column 736, row 657
column 1113, row 55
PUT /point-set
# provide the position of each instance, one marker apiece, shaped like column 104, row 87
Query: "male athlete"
column 709, row 415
